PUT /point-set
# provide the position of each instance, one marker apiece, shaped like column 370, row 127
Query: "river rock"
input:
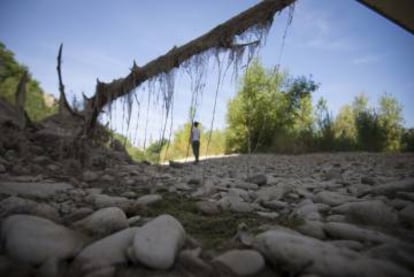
column 372, row 212
column 105, row 201
column 235, row 204
column 34, row 240
column 399, row 253
column 90, row 176
column 157, row 243
column 104, row 253
column 149, row 199
column 41, row 190
column 307, row 212
column 17, row 205
column 312, row 228
column 332, row 198
column 208, row 207
column 242, row 262
column 258, row 179
column 297, row 253
column 347, row 231
column 103, row 222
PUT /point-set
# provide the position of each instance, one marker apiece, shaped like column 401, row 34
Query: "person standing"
column 195, row 140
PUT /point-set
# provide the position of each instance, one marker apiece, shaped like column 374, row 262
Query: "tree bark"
column 221, row 37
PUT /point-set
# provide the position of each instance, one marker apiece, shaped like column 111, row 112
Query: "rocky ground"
column 342, row 214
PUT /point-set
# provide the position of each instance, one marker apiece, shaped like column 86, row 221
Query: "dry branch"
column 20, row 99
column 221, row 37
column 64, row 107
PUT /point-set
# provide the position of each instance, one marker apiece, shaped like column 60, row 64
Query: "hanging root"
column 258, row 18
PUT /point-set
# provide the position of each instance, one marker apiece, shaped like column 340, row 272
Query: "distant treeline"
column 272, row 112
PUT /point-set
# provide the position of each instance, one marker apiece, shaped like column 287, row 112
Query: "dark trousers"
column 196, row 149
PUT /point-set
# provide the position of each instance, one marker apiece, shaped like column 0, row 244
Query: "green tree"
column 10, row 73
column 325, row 132
column 252, row 113
column 407, row 140
column 345, row 129
column 390, row 119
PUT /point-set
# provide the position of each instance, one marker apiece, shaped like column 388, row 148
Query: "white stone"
column 274, row 204
column 90, row 176
column 352, row 232
column 105, row 201
column 307, row 212
column 245, row 185
column 242, row 262
column 335, row 218
column 270, row 215
column 41, row 190
column 272, row 192
column 311, row 256
column 208, row 207
column 373, row 212
column 106, row 252
column 103, row 222
column 34, row 240
column 157, row 243
column 243, row 194
column 235, row 204
column 350, row 244
column 332, row 198
column 393, row 187
column 17, row 205
column 312, row 228
column 149, row 199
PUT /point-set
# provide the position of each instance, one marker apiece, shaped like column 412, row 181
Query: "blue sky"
column 346, row 47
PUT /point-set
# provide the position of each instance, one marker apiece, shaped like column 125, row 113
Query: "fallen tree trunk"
column 221, row 37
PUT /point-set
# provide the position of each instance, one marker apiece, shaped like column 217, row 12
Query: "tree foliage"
column 269, row 110
column 10, row 73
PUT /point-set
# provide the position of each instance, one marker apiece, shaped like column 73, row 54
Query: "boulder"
column 235, row 204
column 104, row 201
column 332, row 198
column 372, row 212
column 208, row 207
column 157, row 243
column 307, row 212
column 34, row 240
column 347, row 231
column 41, row 190
column 304, row 255
column 90, row 176
column 103, row 222
column 149, row 199
column 242, row 262
column 104, row 253
column 17, row 205
column 313, row 229
column 258, row 179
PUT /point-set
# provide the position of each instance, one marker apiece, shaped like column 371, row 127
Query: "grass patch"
column 213, row 232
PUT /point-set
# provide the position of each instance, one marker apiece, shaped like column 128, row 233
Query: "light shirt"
column 195, row 134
